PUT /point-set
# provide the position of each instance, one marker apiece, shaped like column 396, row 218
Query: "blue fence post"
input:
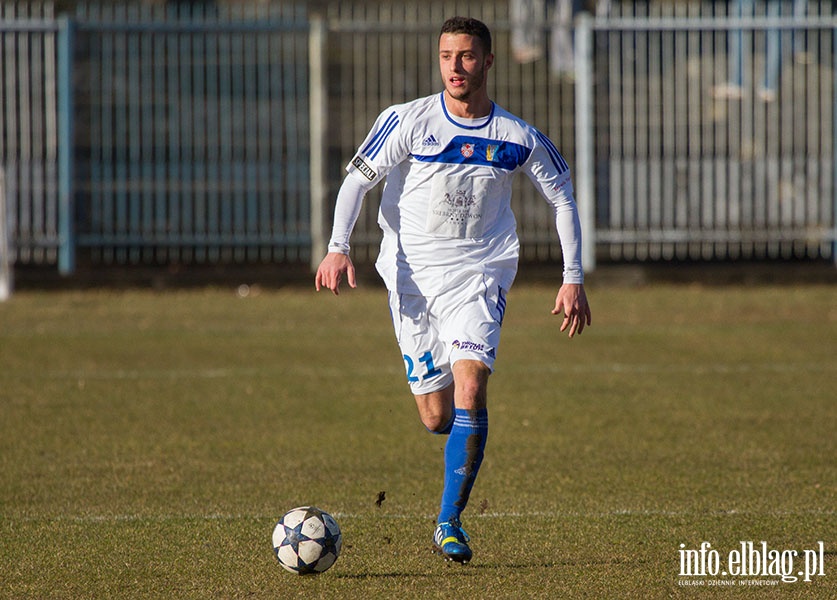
column 318, row 124
column 7, row 268
column 585, row 140
column 833, row 232
column 66, row 203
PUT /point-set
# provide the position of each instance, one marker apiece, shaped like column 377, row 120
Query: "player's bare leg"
column 470, row 379
column 436, row 410
column 469, row 391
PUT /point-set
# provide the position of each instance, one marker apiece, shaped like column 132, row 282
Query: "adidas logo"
column 431, row 141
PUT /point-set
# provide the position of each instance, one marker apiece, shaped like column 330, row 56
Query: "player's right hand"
column 331, row 271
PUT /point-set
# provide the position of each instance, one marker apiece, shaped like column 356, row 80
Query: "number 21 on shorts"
column 424, row 371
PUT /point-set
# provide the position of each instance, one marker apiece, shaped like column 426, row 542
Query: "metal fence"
column 195, row 142
column 714, row 138
column 29, row 129
column 145, row 133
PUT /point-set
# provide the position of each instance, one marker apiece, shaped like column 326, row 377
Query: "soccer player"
column 450, row 250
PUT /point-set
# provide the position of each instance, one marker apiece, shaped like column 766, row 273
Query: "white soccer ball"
column 307, row 540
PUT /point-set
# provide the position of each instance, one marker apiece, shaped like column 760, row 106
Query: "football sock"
column 463, row 456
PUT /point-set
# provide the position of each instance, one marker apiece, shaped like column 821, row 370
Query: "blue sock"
column 463, row 457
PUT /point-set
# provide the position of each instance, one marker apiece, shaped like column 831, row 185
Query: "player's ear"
column 489, row 60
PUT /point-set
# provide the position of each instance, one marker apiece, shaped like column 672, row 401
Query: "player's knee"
column 437, row 423
column 471, row 385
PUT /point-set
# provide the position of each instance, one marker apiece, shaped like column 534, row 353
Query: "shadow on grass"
column 478, row 569
column 361, row 576
column 496, row 566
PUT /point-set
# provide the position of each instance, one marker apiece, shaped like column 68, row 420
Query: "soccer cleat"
column 451, row 541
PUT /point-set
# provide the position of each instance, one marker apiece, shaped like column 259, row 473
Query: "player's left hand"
column 572, row 301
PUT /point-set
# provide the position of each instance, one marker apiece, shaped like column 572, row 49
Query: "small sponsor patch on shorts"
column 467, row 346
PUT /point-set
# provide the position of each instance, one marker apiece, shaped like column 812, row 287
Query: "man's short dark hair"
column 469, row 26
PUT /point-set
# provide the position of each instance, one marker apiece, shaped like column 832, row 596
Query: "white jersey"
column 446, row 204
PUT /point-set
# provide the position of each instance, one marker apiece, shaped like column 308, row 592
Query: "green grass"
column 149, row 441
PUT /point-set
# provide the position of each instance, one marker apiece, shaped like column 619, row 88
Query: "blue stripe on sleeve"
column 376, row 143
column 557, row 160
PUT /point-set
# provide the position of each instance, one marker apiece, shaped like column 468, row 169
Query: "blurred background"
column 183, row 138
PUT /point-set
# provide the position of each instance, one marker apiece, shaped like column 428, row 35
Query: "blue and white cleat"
column 451, row 541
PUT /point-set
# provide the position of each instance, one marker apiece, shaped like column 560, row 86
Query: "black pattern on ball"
column 307, row 540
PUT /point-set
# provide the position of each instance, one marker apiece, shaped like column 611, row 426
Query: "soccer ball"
column 307, row 540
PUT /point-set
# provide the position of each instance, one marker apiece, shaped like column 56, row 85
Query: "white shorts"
column 434, row 332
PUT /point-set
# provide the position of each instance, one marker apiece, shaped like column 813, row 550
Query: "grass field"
column 150, row 440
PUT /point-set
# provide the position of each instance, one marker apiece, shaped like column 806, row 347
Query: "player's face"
column 463, row 65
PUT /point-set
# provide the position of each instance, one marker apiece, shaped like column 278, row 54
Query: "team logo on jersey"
column 460, row 199
column 467, row 150
column 430, row 140
column 364, row 168
column 490, row 151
